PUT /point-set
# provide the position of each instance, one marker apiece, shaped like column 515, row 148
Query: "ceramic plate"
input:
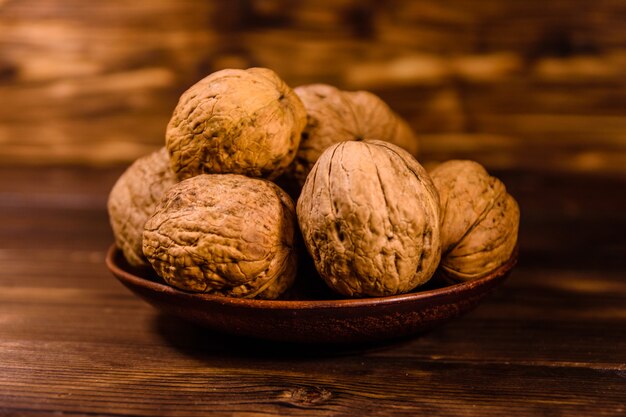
column 310, row 313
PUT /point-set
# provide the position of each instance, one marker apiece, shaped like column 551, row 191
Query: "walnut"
column 479, row 220
column 369, row 215
column 224, row 234
column 334, row 116
column 133, row 199
column 236, row 121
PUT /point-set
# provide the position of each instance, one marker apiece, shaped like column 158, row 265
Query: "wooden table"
column 551, row 341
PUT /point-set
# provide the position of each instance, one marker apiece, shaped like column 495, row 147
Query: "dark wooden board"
column 550, row 341
column 529, row 84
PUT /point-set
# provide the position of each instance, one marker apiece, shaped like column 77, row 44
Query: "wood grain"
column 534, row 90
column 528, row 85
column 73, row 341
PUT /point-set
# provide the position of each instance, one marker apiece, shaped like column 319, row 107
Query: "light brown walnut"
column 133, row 199
column 479, row 223
column 369, row 215
column 236, row 121
column 224, row 234
column 334, row 116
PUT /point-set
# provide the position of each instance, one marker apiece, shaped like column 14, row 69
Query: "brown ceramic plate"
column 310, row 313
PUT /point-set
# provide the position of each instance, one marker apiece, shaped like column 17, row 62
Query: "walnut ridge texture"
column 224, row 234
column 134, row 197
column 204, row 214
column 335, row 116
column 479, row 222
column 236, row 121
column 369, row 216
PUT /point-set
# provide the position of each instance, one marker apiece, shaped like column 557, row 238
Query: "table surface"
column 551, row 341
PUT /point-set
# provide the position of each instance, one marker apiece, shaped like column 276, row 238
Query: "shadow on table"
column 197, row 341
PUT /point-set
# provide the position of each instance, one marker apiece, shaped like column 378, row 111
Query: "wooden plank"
column 137, row 382
column 97, row 85
column 567, row 332
column 580, row 310
column 73, row 340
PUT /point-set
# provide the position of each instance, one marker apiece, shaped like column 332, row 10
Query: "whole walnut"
column 369, row 215
column 236, row 121
column 335, row 116
column 479, row 222
column 134, row 197
column 224, row 234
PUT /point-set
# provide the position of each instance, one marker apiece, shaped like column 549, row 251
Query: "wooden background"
column 533, row 89
column 535, row 85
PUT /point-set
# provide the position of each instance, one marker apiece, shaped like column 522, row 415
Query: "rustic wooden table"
column 551, row 341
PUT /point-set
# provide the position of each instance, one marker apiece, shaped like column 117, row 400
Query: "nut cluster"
column 204, row 213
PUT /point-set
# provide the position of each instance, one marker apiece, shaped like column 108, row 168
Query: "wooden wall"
column 536, row 85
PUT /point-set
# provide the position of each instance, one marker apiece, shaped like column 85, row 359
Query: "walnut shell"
column 224, row 234
column 236, row 121
column 133, row 199
column 479, row 222
column 369, row 215
column 335, row 116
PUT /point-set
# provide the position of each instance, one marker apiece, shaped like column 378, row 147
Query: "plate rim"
column 493, row 278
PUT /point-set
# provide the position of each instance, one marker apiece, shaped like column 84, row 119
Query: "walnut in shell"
column 224, row 234
column 236, row 121
column 479, row 221
column 133, row 199
column 369, row 215
column 335, row 116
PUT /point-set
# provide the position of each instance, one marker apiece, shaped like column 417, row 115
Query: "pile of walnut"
column 204, row 214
